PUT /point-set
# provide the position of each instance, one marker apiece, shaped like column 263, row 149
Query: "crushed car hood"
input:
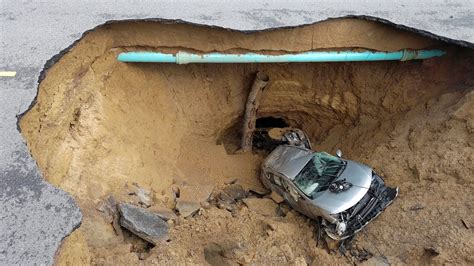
column 359, row 175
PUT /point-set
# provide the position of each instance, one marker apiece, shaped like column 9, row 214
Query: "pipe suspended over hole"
column 334, row 56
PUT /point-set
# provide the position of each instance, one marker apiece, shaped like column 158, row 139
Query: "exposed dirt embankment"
column 100, row 125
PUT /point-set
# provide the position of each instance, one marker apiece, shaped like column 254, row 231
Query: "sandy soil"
column 99, row 125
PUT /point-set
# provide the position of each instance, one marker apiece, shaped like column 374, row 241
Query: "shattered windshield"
column 318, row 173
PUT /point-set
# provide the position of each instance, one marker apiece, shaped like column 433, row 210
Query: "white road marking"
column 7, row 73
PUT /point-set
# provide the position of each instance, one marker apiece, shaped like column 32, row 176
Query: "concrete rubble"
column 139, row 195
column 191, row 197
column 145, row 224
column 109, row 209
column 230, row 195
column 235, row 191
column 164, row 213
column 262, row 206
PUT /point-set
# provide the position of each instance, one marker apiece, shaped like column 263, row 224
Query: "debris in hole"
column 224, row 201
column 267, row 139
column 139, row 195
column 191, row 197
column 250, row 117
column 163, row 212
column 143, row 223
column 361, row 254
column 235, row 191
column 109, row 208
column 262, row 206
column 307, row 180
column 144, row 196
column 432, row 251
column 283, row 209
column 229, row 196
column 187, row 208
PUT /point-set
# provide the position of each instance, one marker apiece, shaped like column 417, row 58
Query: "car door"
column 296, row 198
column 276, row 183
column 283, row 186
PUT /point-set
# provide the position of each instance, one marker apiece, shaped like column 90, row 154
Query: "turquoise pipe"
column 341, row 56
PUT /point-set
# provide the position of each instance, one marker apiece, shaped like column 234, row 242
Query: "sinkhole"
column 98, row 126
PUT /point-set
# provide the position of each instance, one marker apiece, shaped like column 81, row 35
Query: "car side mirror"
column 339, row 153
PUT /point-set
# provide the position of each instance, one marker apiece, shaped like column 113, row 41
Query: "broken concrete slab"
column 111, row 214
column 235, row 191
column 197, row 193
column 108, row 207
column 225, row 201
column 230, row 195
column 262, row 206
column 144, row 196
column 164, row 213
column 143, row 223
column 139, row 195
column 191, row 197
column 187, row 208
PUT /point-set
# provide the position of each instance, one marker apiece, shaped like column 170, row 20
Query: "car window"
column 318, row 173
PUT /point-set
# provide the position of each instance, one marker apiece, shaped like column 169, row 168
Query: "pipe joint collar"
column 408, row 55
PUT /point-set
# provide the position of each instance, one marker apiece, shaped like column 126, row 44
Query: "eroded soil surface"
column 100, row 127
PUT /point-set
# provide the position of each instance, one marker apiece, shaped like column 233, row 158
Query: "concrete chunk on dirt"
column 139, row 195
column 187, row 208
column 191, row 197
column 144, row 224
column 198, row 193
column 144, row 196
column 262, row 206
column 235, row 191
column 164, row 213
column 108, row 207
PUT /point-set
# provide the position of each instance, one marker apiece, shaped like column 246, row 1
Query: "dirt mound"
column 100, row 125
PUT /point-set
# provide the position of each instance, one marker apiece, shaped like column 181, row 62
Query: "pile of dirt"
column 99, row 126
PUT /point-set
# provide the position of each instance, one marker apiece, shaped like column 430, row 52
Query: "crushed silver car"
column 347, row 195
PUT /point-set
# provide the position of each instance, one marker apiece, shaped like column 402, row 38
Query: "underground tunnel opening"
column 270, row 122
column 146, row 133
